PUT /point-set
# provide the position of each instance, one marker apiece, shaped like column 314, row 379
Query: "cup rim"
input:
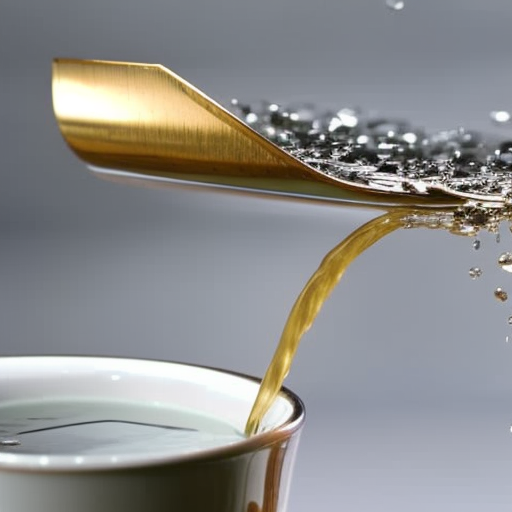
column 245, row 445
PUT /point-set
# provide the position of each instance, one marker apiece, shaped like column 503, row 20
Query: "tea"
column 388, row 156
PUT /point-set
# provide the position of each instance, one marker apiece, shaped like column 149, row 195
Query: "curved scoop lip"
column 143, row 120
column 220, row 391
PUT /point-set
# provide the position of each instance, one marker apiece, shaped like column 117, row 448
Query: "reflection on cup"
column 106, row 434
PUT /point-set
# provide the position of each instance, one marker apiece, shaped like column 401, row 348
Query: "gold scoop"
column 134, row 122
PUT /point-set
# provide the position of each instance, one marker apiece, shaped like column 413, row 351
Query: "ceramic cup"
column 54, row 464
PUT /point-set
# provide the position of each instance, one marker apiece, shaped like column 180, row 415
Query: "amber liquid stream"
column 310, row 301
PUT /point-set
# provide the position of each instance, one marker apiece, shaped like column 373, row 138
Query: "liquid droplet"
column 507, row 339
column 510, row 320
column 475, row 272
column 395, row 5
column 501, row 294
column 9, row 442
column 498, row 238
column 500, row 116
column 476, row 244
column 505, row 261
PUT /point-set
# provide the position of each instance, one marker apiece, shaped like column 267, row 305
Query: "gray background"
column 406, row 374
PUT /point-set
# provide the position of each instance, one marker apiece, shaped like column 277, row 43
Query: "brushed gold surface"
column 130, row 120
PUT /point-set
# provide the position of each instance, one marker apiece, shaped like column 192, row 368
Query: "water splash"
column 500, row 117
column 387, row 154
column 395, row 5
column 505, row 261
column 10, row 442
column 500, row 294
column 475, row 272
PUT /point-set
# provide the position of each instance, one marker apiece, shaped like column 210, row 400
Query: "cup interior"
column 205, row 391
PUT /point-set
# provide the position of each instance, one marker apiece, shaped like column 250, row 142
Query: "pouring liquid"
column 388, row 156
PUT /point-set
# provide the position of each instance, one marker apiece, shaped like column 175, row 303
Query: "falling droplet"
column 9, row 442
column 476, row 244
column 507, row 339
column 510, row 320
column 500, row 116
column 475, row 272
column 501, row 294
column 498, row 238
column 505, row 261
column 251, row 118
column 395, row 5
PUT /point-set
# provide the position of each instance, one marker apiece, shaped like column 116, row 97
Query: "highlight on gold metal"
column 137, row 121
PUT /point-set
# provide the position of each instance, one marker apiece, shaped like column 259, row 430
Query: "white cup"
column 237, row 475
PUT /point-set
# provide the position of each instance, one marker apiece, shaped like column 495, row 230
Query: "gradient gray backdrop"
column 406, row 374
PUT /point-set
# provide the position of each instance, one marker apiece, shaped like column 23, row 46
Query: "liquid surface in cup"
column 107, row 428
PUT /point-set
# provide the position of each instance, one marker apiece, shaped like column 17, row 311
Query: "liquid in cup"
column 102, row 434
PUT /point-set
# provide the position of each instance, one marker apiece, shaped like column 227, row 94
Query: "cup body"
column 248, row 474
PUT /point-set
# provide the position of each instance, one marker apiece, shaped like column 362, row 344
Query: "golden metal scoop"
column 135, row 122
